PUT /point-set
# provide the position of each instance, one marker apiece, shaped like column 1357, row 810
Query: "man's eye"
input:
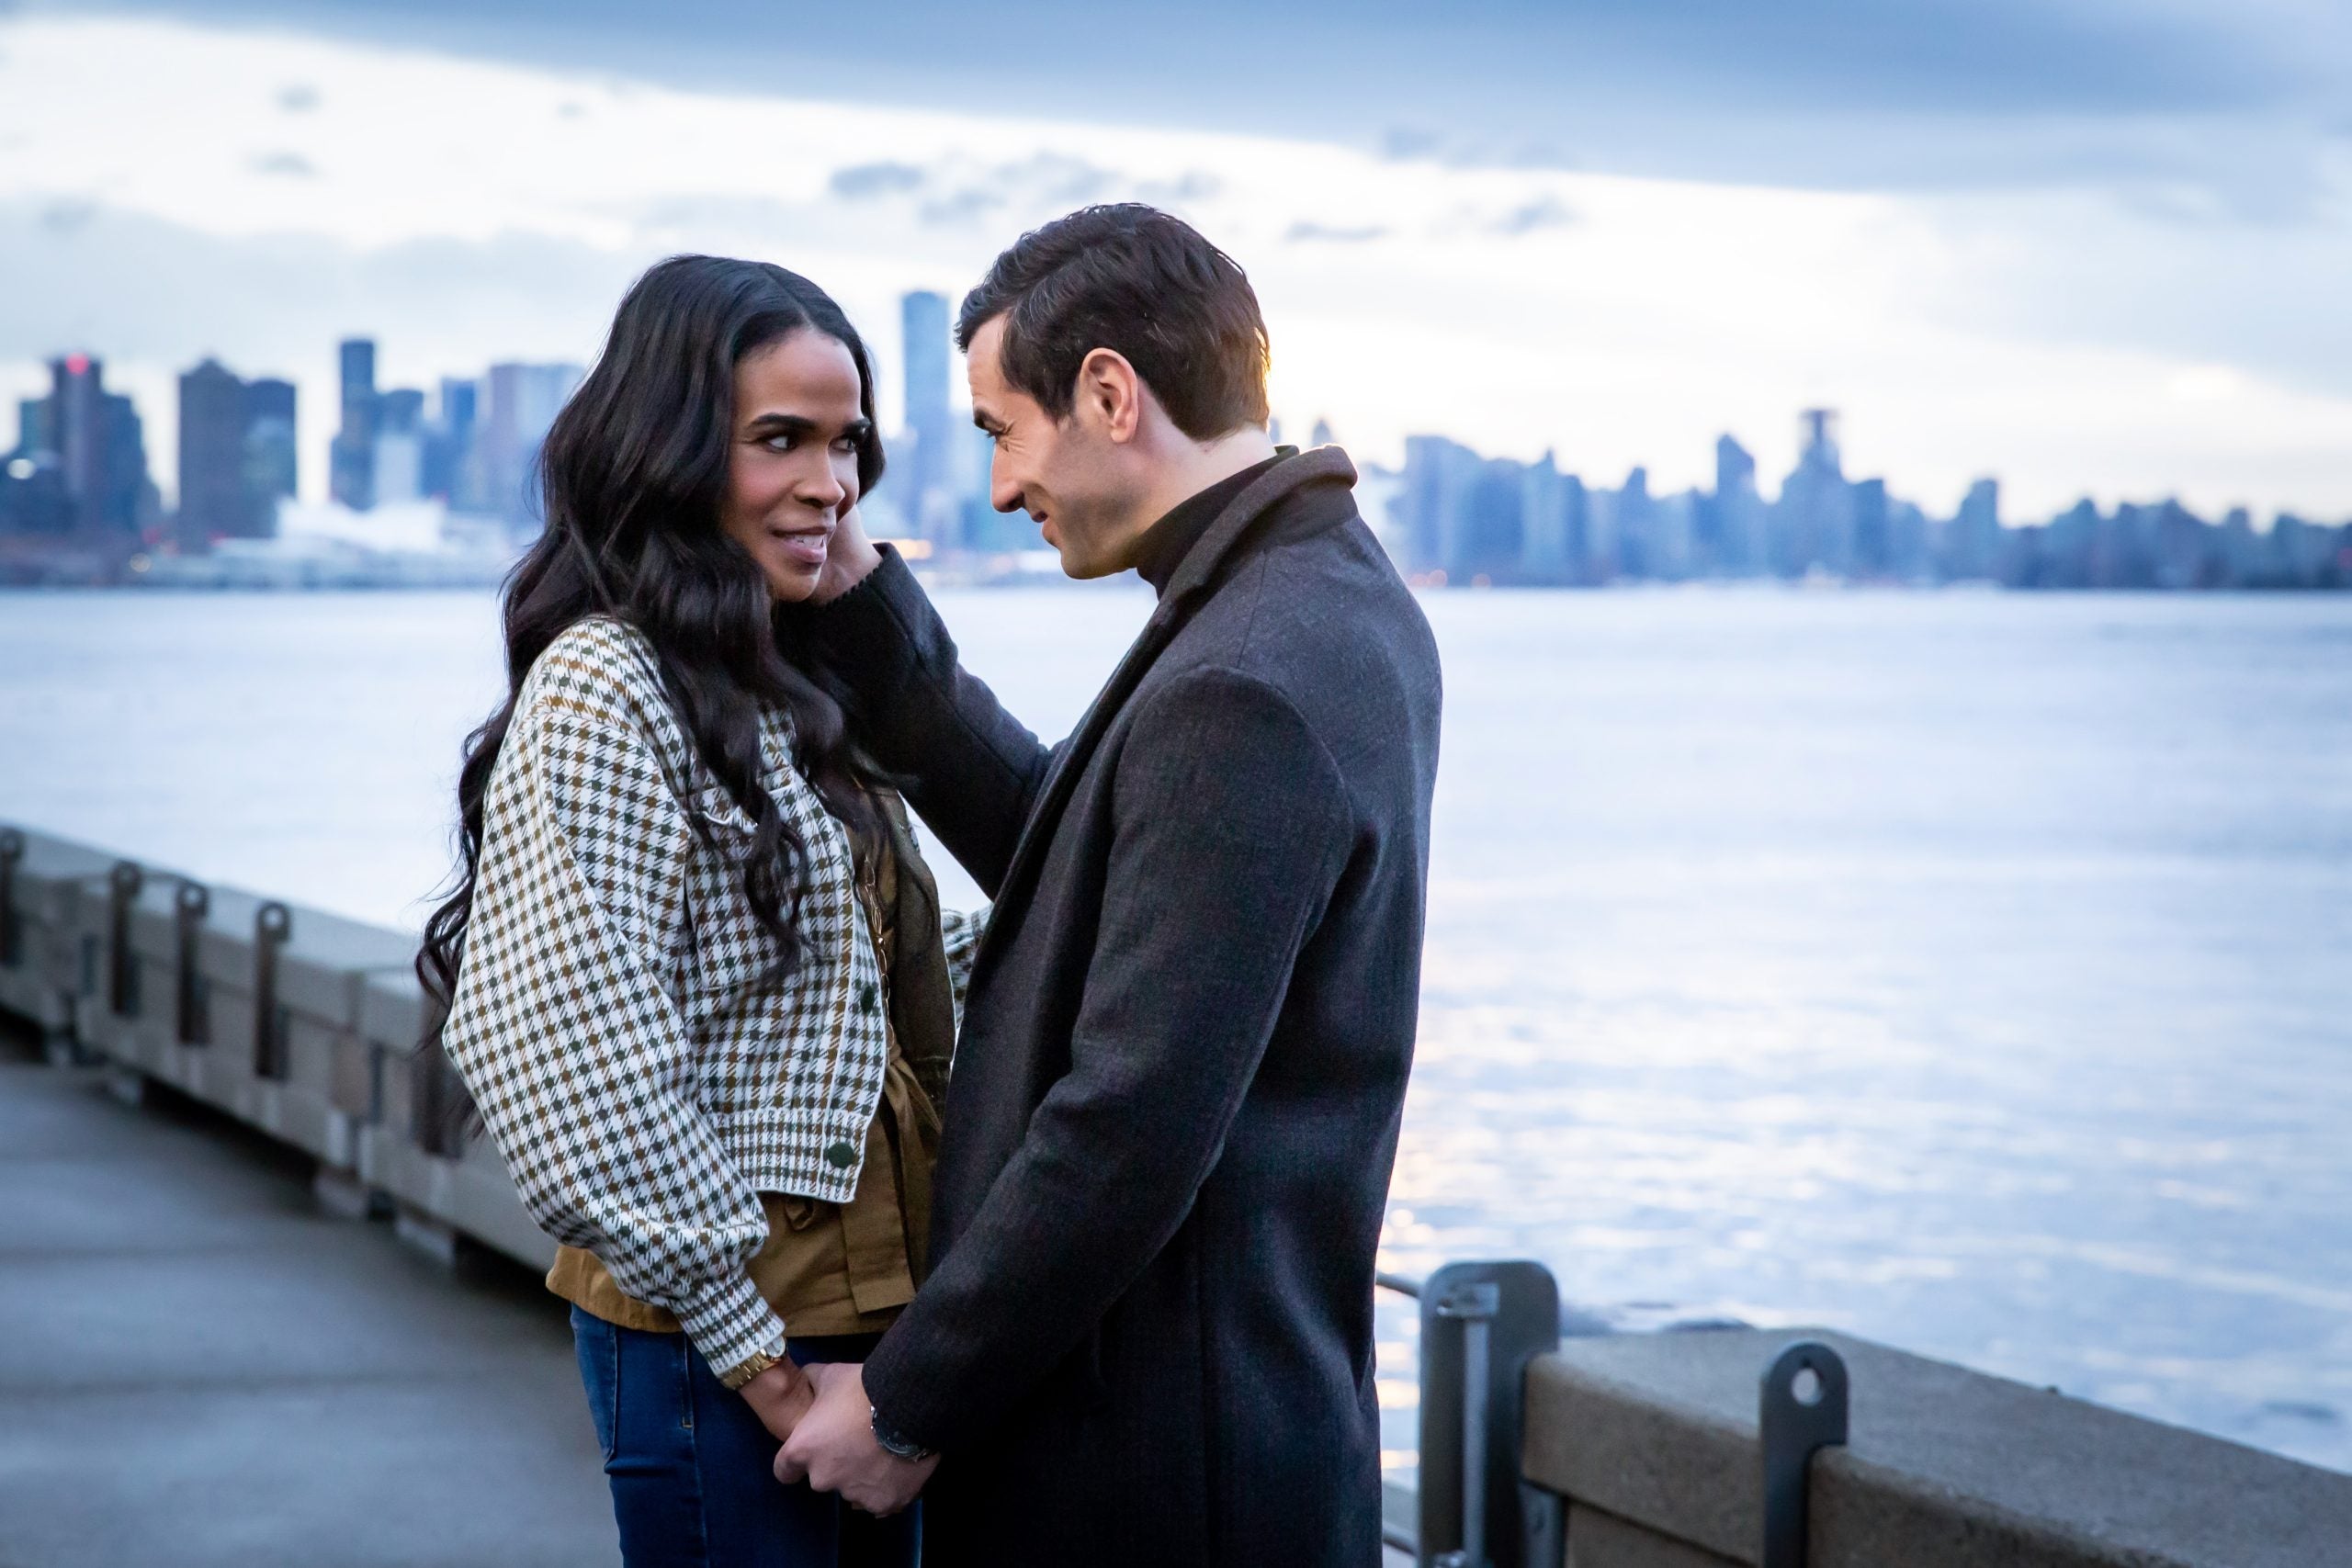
column 847, row 445
column 783, row 443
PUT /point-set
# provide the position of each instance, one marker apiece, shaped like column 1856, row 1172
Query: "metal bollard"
column 272, row 924
column 12, row 931
column 1481, row 1324
column 1801, row 1410
column 193, row 1023
column 1474, row 1305
column 122, row 962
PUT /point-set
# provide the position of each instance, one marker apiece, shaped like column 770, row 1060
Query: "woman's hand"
column 849, row 557
column 780, row 1396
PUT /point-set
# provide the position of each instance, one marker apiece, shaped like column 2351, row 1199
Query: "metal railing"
column 1481, row 1324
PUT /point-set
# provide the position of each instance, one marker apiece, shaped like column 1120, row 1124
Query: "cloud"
column 1543, row 213
column 292, row 165
column 966, row 206
column 1825, row 94
column 70, row 215
column 298, row 98
column 1307, row 232
column 860, row 181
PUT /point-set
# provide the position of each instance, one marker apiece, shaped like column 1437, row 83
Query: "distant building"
column 400, row 446
column 99, row 450
column 1735, row 535
column 1974, row 550
column 448, row 446
column 351, row 457
column 1814, row 517
column 236, row 455
column 522, row 402
column 270, row 464
column 933, row 499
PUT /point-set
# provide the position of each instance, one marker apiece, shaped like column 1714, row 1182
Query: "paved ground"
column 198, row 1368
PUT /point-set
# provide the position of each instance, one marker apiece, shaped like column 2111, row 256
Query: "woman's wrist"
column 779, row 1396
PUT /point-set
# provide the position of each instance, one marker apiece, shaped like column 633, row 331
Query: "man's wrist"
column 895, row 1443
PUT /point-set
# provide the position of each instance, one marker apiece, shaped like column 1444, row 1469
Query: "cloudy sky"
column 2091, row 246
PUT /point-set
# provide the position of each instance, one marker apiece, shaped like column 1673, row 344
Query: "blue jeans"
column 690, row 1464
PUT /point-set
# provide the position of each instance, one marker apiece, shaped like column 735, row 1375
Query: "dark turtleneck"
column 1167, row 542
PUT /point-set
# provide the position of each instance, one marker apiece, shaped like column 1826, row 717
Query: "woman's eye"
column 846, row 445
column 783, row 443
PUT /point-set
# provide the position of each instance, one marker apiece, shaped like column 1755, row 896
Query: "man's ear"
column 1111, row 391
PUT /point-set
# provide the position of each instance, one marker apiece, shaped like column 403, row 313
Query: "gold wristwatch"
column 751, row 1366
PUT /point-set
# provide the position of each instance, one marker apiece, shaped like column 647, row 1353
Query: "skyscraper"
column 931, row 491
column 1736, row 532
column 400, row 446
column 102, row 451
column 523, row 402
column 213, row 420
column 351, row 465
column 236, row 454
column 1816, row 506
column 270, row 463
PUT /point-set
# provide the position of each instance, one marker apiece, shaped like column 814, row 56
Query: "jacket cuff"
column 901, row 1395
column 731, row 1324
column 865, row 631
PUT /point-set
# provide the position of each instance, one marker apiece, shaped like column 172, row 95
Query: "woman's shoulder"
column 600, row 671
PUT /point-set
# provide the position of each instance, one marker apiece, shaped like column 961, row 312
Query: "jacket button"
column 865, row 995
column 841, row 1156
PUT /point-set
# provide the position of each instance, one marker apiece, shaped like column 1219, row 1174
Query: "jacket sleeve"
column 959, row 932
column 1230, row 830
column 570, row 1038
column 970, row 768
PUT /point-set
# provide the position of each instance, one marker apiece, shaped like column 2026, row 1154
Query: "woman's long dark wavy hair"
column 633, row 475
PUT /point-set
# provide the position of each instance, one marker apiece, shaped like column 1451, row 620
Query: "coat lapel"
column 1325, row 464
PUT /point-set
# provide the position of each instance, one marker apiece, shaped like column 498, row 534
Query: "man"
column 1146, row 1337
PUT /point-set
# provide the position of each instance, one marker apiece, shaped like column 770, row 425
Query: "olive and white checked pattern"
column 642, row 1077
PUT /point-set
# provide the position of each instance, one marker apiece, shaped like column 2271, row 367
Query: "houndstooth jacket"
column 642, row 1078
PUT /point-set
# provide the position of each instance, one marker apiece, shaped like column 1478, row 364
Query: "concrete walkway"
column 197, row 1367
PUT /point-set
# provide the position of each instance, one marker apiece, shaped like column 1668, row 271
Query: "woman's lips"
column 807, row 550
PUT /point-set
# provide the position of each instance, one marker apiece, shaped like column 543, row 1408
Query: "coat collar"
column 1198, row 572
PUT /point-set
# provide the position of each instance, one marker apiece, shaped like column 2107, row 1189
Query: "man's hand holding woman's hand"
column 848, row 558
column 834, row 1449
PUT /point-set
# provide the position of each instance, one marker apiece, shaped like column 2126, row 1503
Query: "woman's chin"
column 790, row 583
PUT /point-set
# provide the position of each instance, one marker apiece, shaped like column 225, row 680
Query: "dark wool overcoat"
column 1147, row 1333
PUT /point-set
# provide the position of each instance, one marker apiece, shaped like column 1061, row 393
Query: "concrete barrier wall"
column 303, row 1025
column 1653, row 1441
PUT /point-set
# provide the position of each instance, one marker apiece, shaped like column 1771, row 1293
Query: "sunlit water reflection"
column 1974, row 972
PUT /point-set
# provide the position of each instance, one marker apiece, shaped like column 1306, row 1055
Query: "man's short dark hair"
column 1133, row 279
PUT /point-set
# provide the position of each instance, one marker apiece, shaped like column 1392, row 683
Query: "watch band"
column 893, row 1444
column 744, row 1370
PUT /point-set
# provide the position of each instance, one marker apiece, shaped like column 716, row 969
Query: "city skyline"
column 77, row 480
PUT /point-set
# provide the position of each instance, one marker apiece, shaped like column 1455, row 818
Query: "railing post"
column 12, row 931
column 1481, row 1324
column 122, row 961
column 1801, row 1410
column 272, row 923
column 191, row 902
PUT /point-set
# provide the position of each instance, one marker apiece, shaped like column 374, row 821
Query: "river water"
column 1969, row 972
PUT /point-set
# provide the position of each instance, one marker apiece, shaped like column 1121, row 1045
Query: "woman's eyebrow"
column 774, row 423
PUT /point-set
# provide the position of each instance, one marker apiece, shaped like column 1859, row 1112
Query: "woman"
column 698, row 982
